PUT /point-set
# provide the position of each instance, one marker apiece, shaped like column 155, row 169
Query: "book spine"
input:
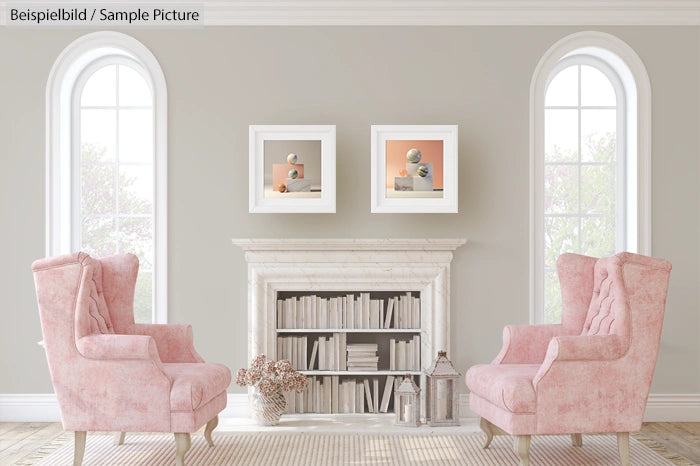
column 416, row 353
column 334, row 394
column 392, row 354
column 280, row 314
column 375, row 386
column 368, row 396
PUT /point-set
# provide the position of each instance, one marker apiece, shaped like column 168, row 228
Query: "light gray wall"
column 220, row 80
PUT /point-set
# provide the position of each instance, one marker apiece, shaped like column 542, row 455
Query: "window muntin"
column 113, row 203
column 584, row 167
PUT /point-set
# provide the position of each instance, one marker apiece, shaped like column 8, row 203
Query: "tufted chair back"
column 608, row 312
column 92, row 315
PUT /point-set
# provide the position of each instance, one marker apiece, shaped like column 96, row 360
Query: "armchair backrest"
column 74, row 294
column 608, row 312
column 628, row 290
column 626, row 301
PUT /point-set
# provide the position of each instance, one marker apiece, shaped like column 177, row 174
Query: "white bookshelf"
column 335, row 321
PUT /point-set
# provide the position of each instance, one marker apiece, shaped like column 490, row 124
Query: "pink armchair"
column 111, row 374
column 592, row 372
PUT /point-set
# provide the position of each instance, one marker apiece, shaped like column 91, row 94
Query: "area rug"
column 309, row 449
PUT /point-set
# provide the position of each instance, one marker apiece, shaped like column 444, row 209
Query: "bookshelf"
column 354, row 347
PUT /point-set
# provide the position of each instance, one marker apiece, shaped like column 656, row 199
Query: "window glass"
column 116, row 172
column 581, row 179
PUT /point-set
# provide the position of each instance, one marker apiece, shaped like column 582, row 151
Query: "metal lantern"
column 441, row 397
column 407, row 403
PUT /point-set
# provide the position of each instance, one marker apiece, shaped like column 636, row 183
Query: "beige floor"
column 19, row 440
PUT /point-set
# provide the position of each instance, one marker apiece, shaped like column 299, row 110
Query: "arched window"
column 106, row 154
column 589, row 100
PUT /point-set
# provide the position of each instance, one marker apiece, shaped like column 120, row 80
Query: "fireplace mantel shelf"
column 357, row 244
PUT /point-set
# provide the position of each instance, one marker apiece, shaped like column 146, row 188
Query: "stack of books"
column 362, row 357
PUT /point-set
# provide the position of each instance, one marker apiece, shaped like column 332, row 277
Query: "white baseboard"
column 673, row 408
column 42, row 407
column 31, row 407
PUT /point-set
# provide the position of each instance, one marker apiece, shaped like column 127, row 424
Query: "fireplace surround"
column 349, row 265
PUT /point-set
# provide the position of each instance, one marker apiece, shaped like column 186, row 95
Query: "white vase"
column 268, row 409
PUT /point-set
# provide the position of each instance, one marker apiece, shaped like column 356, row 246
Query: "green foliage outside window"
column 580, row 209
column 114, row 218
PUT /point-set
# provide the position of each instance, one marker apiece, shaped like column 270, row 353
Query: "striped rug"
column 309, row 449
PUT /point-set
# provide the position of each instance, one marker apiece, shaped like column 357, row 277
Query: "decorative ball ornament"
column 403, row 172
column 422, row 171
column 292, row 159
column 282, row 188
column 293, row 173
column 413, row 156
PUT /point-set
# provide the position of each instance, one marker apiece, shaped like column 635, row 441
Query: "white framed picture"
column 414, row 168
column 292, row 168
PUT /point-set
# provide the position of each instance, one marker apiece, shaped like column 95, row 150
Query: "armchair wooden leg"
column 79, row 448
column 182, row 444
column 487, row 427
column 623, row 447
column 522, row 448
column 577, row 440
column 211, row 425
column 119, row 438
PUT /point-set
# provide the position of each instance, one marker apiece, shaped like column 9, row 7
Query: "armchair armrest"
column 175, row 342
column 118, row 347
column 526, row 344
column 587, row 350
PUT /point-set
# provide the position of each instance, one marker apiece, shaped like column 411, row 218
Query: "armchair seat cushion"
column 195, row 384
column 508, row 386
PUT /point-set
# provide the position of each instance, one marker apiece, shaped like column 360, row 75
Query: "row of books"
column 404, row 355
column 331, row 395
column 327, row 353
column 348, row 311
column 333, row 353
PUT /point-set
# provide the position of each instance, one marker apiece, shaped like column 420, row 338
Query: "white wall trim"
column 432, row 12
column 673, row 408
column 29, row 407
column 42, row 407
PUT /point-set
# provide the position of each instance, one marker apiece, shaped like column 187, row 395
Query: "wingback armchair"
column 111, row 374
column 589, row 374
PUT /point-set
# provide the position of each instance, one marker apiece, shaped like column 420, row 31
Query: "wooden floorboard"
column 681, row 438
column 24, row 439
column 19, row 440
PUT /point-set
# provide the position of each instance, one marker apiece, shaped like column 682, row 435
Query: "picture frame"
column 299, row 156
column 414, row 168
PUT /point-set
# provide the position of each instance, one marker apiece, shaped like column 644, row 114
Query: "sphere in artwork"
column 293, row 173
column 292, row 159
column 413, row 156
column 403, row 172
column 282, row 188
column 422, row 171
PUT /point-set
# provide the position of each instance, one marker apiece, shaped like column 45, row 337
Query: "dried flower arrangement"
column 270, row 376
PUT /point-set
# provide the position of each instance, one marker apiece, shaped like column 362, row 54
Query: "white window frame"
column 61, row 140
column 624, row 63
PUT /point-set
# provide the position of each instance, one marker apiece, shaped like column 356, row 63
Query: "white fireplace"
column 276, row 265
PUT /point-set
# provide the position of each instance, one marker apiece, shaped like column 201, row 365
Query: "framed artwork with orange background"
column 292, row 168
column 414, row 168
